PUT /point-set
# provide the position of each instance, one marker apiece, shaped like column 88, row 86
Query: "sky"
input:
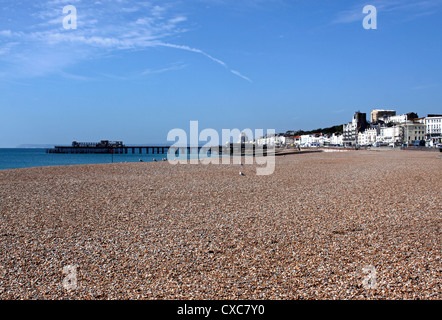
column 134, row 70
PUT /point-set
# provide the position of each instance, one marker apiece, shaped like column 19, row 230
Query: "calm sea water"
column 26, row 158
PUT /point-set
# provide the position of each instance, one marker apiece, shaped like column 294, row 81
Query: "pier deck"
column 220, row 150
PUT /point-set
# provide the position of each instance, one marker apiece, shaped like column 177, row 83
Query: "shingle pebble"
column 311, row 230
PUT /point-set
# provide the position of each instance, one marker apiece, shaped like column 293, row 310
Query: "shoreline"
column 278, row 153
column 151, row 161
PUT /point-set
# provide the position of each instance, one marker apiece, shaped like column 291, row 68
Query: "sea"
column 27, row 158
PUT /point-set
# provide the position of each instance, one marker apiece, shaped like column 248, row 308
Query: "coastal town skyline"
column 134, row 70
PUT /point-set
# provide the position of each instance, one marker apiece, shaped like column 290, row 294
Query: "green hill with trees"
column 325, row 131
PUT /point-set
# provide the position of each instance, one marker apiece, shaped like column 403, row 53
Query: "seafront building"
column 368, row 136
column 389, row 136
column 276, row 140
column 336, row 139
column 433, row 129
column 389, row 129
column 385, row 129
column 399, row 119
column 351, row 130
column 378, row 114
column 414, row 131
column 312, row 140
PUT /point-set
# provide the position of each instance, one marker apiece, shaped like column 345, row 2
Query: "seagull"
column 241, row 174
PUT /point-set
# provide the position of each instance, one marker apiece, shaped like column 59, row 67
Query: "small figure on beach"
column 154, row 160
column 241, row 173
column 141, row 160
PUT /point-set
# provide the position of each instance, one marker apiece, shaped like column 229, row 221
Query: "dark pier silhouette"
column 117, row 147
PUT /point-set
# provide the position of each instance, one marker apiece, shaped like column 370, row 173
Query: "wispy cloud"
column 75, row 76
column 187, row 48
column 43, row 46
column 349, row 16
column 240, row 75
column 174, row 67
column 425, row 86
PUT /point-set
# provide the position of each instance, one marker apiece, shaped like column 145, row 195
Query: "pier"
column 117, row 147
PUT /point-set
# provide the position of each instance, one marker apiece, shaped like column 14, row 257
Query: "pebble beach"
column 329, row 225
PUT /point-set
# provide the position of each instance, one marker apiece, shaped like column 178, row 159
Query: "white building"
column 433, row 129
column 271, row 140
column 305, row 139
column 336, row 139
column 389, row 135
column 314, row 140
column 368, row 136
column 402, row 118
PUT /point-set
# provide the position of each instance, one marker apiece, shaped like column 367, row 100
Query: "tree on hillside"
column 326, row 131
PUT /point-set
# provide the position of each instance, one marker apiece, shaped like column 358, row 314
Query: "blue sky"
column 133, row 70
